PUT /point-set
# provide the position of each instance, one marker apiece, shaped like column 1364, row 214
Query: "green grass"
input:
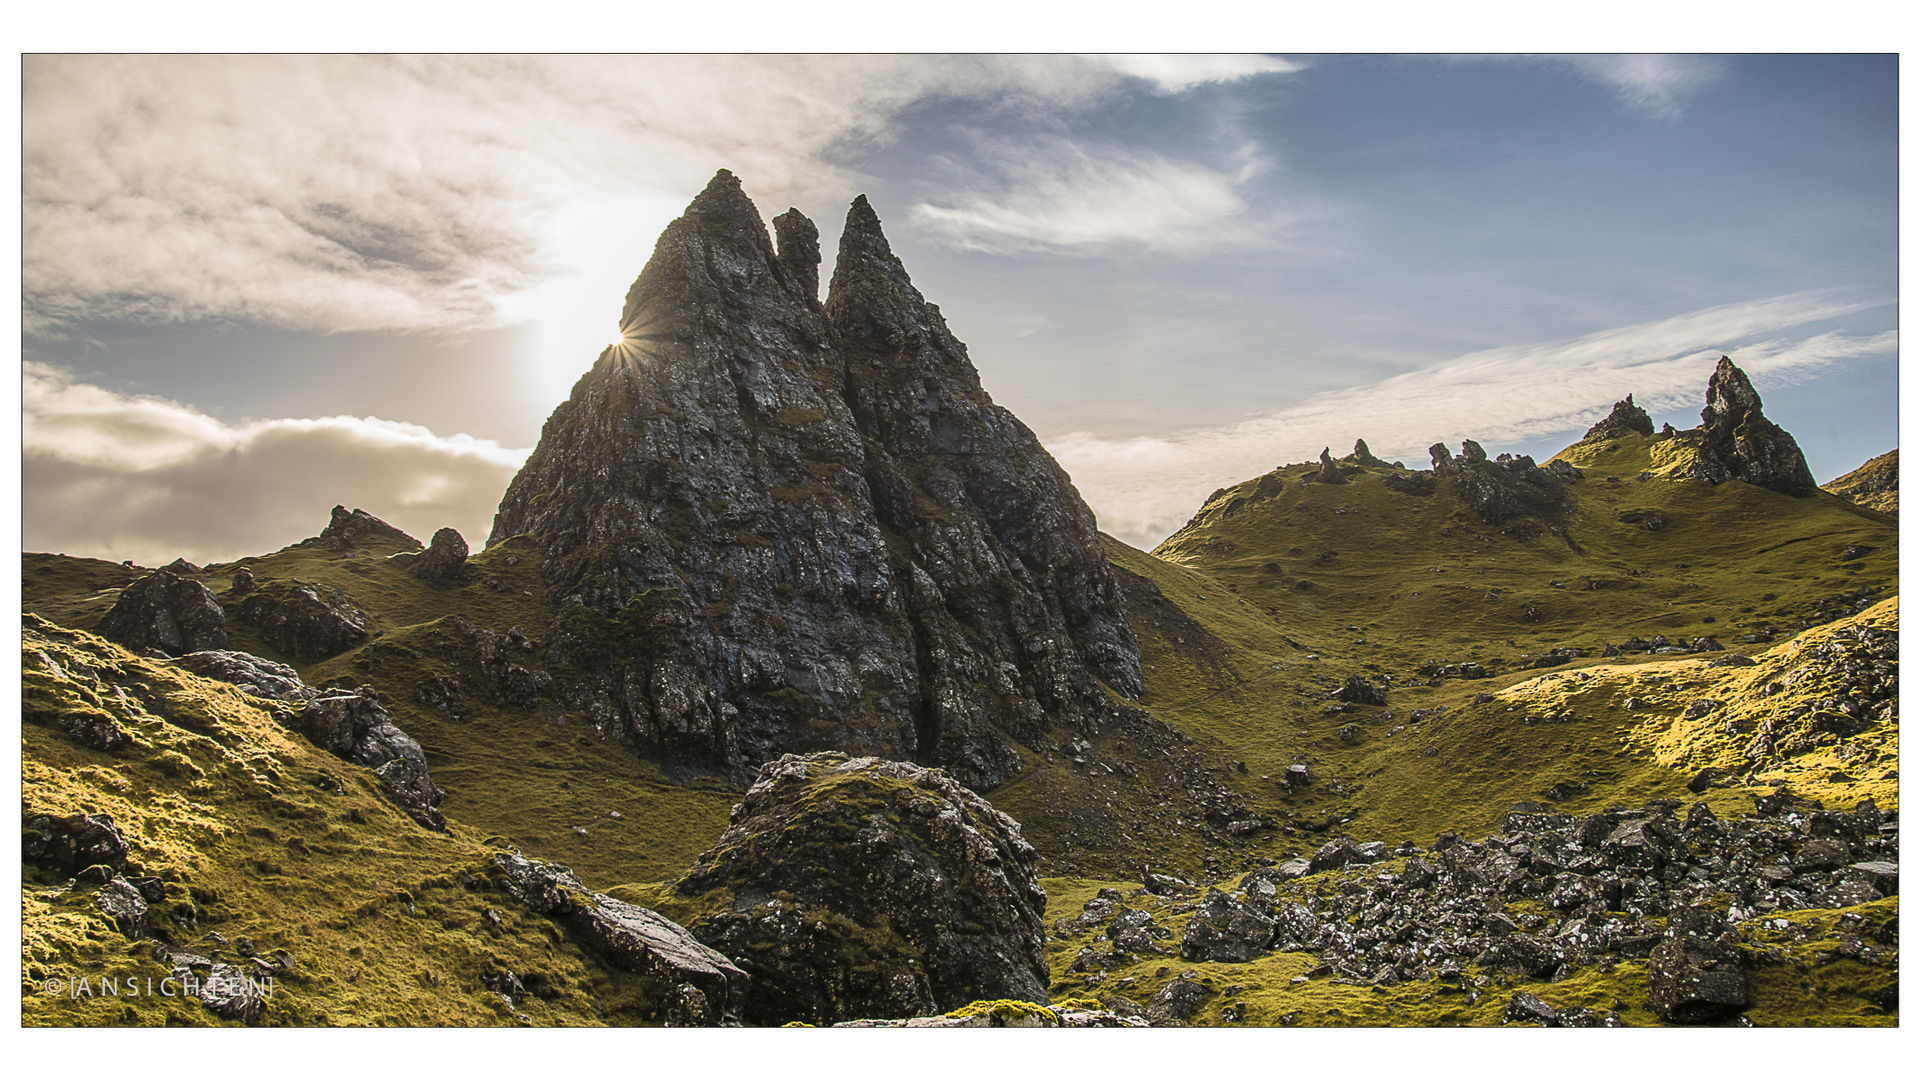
column 387, row 921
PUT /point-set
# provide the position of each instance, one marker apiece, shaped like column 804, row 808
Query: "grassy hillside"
column 252, row 833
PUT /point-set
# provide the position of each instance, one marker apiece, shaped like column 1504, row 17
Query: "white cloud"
column 115, row 476
column 1654, row 83
column 1173, row 73
column 341, row 193
column 1079, row 197
column 1143, row 489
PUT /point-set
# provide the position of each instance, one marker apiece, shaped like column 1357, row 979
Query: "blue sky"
column 256, row 287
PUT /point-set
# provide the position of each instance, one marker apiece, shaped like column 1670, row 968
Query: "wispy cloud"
column 341, row 193
column 116, row 476
column 1657, row 84
column 1178, row 72
column 1079, row 197
column 1143, row 489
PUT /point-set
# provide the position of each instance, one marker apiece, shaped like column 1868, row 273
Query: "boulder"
column 1225, row 931
column 1695, row 974
column 120, row 901
column 294, row 619
column 257, row 676
column 167, row 612
column 932, row 900
column 702, row 987
column 355, row 727
column 71, row 844
column 444, row 560
column 1358, row 691
column 1177, row 1001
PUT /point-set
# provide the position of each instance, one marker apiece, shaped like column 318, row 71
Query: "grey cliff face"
column 1741, row 443
column 774, row 525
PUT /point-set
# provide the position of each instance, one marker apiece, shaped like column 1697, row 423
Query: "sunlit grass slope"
column 387, row 923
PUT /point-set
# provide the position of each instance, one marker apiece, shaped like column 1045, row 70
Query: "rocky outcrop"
column 1738, row 442
column 700, row 987
column 1365, row 456
column 257, row 676
column 869, row 888
column 293, row 618
column 355, row 727
column 1875, row 485
column 168, row 613
column 1500, row 491
column 444, row 560
column 1329, row 472
column 356, row 528
column 776, row 526
column 1625, row 419
column 71, row 843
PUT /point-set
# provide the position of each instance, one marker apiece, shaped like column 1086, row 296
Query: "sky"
column 257, row 286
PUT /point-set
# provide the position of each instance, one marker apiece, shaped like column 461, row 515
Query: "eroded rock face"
column 355, row 727
column 704, row 988
column 1625, row 419
column 777, row 526
column 167, row 612
column 904, row 894
column 1739, row 442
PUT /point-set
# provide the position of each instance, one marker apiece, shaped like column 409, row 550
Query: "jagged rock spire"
column 1739, row 442
column 779, row 526
column 799, row 249
column 1365, row 456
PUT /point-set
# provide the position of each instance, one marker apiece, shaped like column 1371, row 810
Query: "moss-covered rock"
column 862, row 888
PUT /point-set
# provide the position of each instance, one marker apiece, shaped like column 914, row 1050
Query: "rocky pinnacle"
column 1741, row 443
column 775, row 526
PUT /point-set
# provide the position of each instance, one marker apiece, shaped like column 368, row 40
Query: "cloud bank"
column 1144, row 489
column 397, row 193
column 113, row 476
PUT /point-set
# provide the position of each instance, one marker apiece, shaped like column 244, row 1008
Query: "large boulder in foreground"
column 777, row 526
column 863, row 888
column 168, row 613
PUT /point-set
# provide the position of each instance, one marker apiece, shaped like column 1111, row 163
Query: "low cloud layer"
column 111, row 476
column 1144, row 489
